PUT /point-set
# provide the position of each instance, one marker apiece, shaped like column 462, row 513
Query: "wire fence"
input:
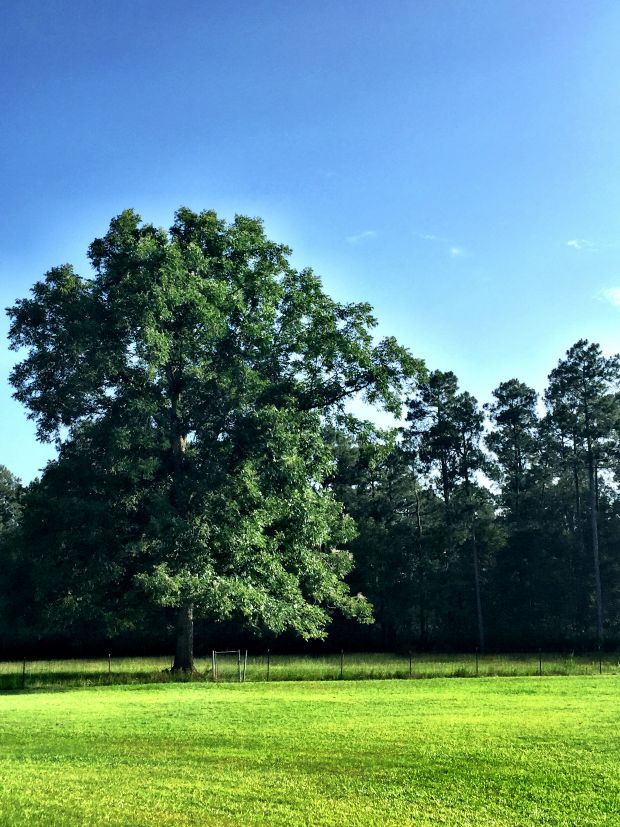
column 41, row 674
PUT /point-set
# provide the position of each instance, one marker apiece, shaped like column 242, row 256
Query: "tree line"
column 494, row 525
column 196, row 387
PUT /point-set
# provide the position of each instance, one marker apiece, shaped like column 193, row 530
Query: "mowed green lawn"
column 491, row 751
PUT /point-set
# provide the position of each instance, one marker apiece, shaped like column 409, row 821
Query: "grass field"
column 521, row 751
column 366, row 666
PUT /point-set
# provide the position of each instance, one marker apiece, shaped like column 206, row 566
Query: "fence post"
column 24, row 674
column 540, row 663
column 268, row 662
column 477, row 667
column 245, row 665
column 600, row 660
column 341, row 662
column 109, row 663
column 239, row 663
column 409, row 664
column 213, row 672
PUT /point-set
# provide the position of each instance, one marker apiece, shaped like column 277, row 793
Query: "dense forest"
column 209, row 470
column 493, row 526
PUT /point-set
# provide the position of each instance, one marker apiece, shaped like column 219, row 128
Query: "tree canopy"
column 196, row 387
column 188, row 378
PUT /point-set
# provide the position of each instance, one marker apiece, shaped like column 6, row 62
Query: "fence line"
column 25, row 674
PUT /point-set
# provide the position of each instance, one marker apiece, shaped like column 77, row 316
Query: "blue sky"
column 456, row 164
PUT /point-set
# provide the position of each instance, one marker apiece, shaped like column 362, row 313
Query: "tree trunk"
column 445, row 484
column 517, row 470
column 593, row 485
column 474, row 547
column 580, row 590
column 422, row 558
column 184, row 654
column 595, row 552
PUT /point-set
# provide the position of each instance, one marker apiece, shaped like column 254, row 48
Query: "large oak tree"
column 198, row 366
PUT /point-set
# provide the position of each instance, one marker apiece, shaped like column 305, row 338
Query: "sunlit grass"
column 525, row 751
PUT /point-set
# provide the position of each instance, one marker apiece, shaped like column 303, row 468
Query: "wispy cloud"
column 580, row 244
column 611, row 295
column 360, row 237
column 431, row 237
column 453, row 250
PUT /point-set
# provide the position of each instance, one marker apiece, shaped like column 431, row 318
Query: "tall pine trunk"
column 595, row 551
column 476, row 562
column 423, row 573
column 592, row 486
column 474, row 547
column 580, row 591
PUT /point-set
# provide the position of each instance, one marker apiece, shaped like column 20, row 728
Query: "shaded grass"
column 490, row 752
column 367, row 666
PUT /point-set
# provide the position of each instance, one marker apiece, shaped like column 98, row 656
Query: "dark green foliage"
column 187, row 383
column 10, row 501
column 196, row 386
column 12, row 575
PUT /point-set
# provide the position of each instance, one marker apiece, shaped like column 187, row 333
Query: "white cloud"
column 430, row 237
column 611, row 295
column 580, row 244
column 453, row 250
column 357, row 239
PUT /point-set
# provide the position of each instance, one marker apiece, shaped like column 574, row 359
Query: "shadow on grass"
column 50, row 675
column 72, row 680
